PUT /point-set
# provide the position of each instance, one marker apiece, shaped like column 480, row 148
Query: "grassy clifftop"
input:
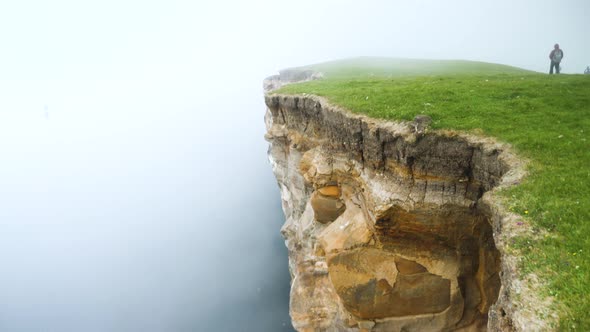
column 546, row 119
column 363, row 67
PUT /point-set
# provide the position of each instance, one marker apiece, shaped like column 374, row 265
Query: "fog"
column 135, row 193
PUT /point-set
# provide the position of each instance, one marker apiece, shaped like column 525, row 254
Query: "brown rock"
column 405, row 266
column 370, row 291
column 310, row 302
column 326, row 208
column 330, row 191
column 351, row 230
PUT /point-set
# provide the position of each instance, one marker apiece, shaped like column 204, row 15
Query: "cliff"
column 394, row 227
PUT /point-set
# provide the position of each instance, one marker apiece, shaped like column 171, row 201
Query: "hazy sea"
column 138, row 208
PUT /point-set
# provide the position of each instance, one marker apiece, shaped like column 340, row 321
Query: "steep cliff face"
column 389, row 226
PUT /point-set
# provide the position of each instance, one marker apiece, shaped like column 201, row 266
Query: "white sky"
column 150, row 52
column 154, row 52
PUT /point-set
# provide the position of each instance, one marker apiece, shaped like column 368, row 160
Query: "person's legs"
column 557, row 68
column 551, row 67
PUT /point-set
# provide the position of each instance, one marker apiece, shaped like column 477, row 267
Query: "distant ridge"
column 396, row 67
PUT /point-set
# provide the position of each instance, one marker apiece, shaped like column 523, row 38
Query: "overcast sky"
column 146, row 53
column 172, row 46
column 143, row 200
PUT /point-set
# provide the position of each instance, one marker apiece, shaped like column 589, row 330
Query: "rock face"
column 388, row 228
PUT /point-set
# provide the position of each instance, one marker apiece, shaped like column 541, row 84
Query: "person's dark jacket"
column 553, row 52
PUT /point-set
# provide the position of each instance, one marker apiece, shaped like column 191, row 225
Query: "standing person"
column 556, row 55
column 587, row 71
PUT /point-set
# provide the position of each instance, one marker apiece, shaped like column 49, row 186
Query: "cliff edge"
column 394, row 227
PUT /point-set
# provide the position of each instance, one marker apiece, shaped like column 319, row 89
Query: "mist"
column 135, row 193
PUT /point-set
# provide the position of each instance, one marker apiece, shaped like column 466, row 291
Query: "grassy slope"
column 546, row 118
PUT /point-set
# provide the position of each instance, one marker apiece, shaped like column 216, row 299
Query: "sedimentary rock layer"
column 389, row 226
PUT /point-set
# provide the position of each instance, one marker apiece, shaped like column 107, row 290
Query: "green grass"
column 546, row 119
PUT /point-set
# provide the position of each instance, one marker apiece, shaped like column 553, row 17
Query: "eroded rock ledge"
column 390, row 227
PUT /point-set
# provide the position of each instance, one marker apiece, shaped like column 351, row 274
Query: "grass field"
column 545, row 117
